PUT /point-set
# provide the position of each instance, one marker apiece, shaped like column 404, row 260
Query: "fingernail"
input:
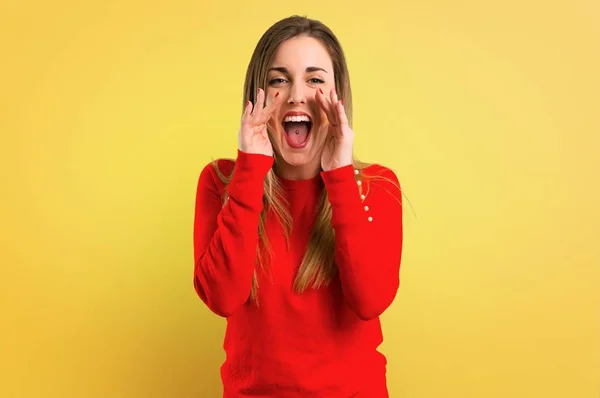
column 276, row 95
column 342, row 101
column 258, row 90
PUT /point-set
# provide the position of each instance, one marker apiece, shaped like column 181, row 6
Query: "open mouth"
column 297, row 129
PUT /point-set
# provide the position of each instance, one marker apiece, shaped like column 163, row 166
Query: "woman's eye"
column 316, row 80
column 277, row 80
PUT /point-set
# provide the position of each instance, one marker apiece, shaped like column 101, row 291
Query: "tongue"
column 297, row 131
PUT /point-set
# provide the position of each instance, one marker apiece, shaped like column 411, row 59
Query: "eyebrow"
column 308, row 69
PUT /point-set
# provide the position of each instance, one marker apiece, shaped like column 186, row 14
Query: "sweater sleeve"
column 368, row 236
column 226, row 237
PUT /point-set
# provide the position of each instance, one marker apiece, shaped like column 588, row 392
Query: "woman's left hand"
column 339, row 142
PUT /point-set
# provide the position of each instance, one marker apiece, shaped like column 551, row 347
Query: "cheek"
column 275, row 130
column 317, row 113
column 276, row 135
column 271, row 91
column 322, row 120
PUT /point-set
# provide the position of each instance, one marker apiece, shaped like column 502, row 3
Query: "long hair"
column 318, row 265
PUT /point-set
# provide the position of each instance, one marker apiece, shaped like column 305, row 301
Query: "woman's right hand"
column 253, row 135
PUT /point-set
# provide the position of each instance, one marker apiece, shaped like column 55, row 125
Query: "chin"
column 295, row 158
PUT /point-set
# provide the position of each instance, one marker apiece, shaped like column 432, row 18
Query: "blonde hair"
column 318, row 266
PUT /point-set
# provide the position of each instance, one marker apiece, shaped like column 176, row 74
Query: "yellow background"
column 487, row 111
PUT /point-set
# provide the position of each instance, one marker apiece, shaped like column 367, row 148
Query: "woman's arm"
column 368, row 236
column 226, row 237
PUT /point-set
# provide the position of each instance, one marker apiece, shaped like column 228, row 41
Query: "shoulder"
column 375, row 170
column 216, row 174
column 378, row 178
column 378, row 174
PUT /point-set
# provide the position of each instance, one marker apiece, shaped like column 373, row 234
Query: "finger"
column 335, row 105
column 260, row 102
column 341, row 111
column 325, row 106
column 247, row 111
column 273, row 105
column 333, row 96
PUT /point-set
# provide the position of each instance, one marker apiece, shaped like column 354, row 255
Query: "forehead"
column 301, row 52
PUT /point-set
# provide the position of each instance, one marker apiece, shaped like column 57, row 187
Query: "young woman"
column 297, row 244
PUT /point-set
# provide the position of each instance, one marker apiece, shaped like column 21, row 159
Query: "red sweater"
column 322, row 343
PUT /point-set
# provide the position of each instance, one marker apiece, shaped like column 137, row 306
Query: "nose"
column 297, row 94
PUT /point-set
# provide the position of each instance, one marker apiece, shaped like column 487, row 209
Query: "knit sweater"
column 322, row 342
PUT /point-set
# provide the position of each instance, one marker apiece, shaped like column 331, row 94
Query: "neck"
column 304, row 172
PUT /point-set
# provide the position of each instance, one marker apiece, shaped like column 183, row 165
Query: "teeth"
column 303, row 118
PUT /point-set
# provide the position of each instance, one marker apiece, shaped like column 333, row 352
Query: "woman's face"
column 300, row 67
